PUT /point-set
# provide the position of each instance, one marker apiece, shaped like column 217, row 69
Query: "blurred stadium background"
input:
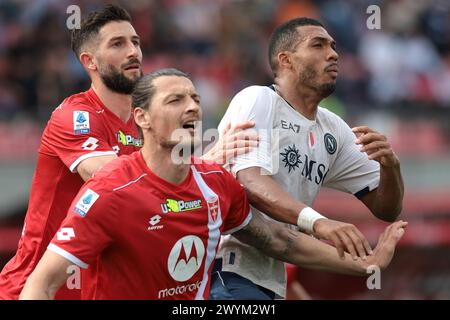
column 396, row 80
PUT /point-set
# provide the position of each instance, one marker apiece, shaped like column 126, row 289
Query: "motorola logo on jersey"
column 186, row 258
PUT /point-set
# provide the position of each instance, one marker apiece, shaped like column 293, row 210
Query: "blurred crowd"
column 223, row 45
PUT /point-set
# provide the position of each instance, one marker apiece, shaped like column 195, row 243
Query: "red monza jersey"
column 141, row 237
column 80, row 128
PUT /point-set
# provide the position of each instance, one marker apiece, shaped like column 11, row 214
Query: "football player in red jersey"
column 147, row 226
column 86, row 131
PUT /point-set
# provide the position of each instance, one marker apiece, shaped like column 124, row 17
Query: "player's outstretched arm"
column 49, row 275
column 234, row 141
column 385, row 202
column 305, row 251
column 268, row 196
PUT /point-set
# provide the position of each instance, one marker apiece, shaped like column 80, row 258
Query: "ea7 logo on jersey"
column 186, row 258
column 85, row 203
column 65, row 234
column 81, row 122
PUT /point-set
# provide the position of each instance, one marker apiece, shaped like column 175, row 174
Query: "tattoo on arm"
column 273, row 239
column 257, row 233
column 260, row 235
column 291, row 238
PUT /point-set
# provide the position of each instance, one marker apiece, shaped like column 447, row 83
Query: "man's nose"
column 193, row 106
column 333, row 55
column 133, row 50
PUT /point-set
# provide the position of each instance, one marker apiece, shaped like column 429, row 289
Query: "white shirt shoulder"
column 258, row 104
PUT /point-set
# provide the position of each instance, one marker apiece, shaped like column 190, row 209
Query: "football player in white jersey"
column 302, row 148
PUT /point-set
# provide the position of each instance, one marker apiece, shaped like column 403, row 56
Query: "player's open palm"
column 384, row 251
column 376, row 146
column 235, row 141
column 344, row 236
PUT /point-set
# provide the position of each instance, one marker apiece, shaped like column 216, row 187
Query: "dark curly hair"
column 93, row 23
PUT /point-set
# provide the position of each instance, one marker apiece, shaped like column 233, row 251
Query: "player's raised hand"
column 344, row 236
column 384, row 251
column 235, row 140
column 376, row 146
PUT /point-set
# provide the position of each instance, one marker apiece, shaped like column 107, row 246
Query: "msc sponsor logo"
column 85, row 203
column 172, row 205
column 311, row 170
column 170, row 292
column 128, row 140
column 81, row 122
column 291, row 158
column 185, row 258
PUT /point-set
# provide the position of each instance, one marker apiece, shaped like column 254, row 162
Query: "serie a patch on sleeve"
column 81, row 122
column 85, row 203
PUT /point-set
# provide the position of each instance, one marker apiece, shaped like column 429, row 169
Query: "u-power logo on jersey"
column 172, row 205
column 129, row 140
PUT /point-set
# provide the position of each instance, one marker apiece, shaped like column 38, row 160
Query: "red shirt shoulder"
column 82, row 127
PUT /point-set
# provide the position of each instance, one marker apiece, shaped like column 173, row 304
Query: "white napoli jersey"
column 302, row 155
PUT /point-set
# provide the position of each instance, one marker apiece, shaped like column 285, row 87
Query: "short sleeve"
column 88, row 227
column 239, row 214
column 76, row 134
column 352, row 171
column 252, row 104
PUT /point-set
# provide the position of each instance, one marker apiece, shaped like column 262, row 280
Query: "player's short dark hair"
column 144, row 89
column 285, row 37
column 93, row 23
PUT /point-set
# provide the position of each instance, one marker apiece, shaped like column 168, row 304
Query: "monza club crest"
column 213, row 207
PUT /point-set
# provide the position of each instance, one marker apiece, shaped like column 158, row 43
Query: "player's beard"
column 117, row 81
column 309, row 77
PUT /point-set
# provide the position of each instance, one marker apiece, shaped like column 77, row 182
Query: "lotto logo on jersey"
column 85, row 203
column 81, row 122
column 185, row 258
column 65, row 234
column 172, row 205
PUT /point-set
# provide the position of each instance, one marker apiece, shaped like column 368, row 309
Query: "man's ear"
column 87, row 60
column 284, row 59
column 142, row 118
